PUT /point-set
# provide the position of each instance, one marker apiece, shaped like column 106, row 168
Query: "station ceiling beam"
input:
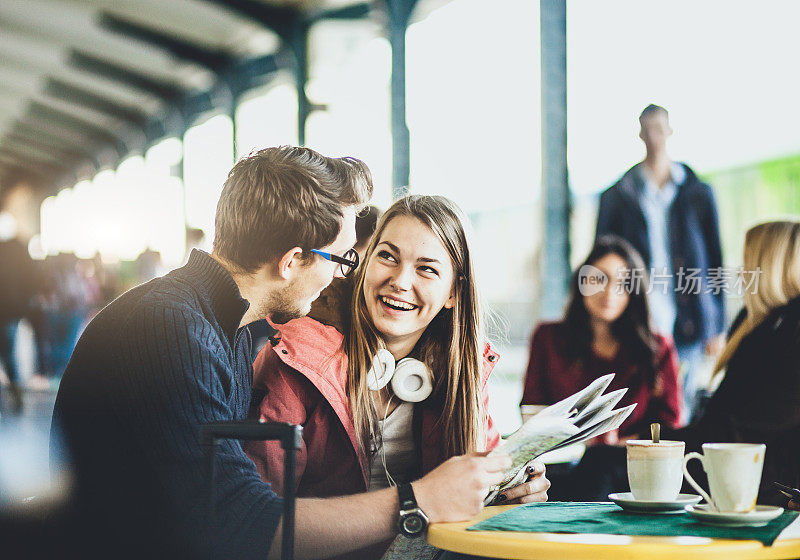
column 36, row 160
column 292, row 26
column 279, row 19
column 15, row 165
column 80, row 126
column 44, row 141
column 43, row 146
column 33, row 153
column 38, row 128
column 222, row 95
column 214, row 61
column 53, row 113
column 353, row 12
column 124, row 75
column 253, row 72
column 78, row 96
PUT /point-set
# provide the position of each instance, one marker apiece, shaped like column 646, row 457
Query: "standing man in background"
column 670, row 216
column 18, row 285
column 16, row 273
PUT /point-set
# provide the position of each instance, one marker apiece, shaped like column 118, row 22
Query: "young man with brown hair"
column 174, row 353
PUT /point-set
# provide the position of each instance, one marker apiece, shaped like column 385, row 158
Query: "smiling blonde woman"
column 758, row 397
column 416, row 314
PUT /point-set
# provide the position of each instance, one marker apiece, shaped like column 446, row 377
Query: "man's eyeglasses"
column 347, row 263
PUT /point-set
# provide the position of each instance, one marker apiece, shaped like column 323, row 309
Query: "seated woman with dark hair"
column 606, row 329
column 758, row 372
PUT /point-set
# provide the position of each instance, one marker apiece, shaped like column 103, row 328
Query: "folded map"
column 582, row 416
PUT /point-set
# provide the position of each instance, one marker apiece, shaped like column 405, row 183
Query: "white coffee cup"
column 528, row 411
column 734, row 474
column 654, row 469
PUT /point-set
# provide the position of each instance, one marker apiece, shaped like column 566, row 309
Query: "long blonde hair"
column 452, row 344
column 773, row 249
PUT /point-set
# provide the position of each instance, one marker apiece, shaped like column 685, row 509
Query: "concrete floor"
column 24, row 446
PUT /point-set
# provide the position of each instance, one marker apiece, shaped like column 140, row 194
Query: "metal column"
column 399, row 14
column 555, row 187
column 299, row 46
column 234, row 126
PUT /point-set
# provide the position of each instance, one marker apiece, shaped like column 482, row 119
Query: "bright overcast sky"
column 727, row 71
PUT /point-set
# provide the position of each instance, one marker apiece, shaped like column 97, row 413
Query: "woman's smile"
column 408, row 280
column 396, row 304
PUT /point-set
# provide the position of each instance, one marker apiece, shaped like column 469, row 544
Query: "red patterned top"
column 552, row 376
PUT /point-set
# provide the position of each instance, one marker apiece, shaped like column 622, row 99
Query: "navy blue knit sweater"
column 156, row 363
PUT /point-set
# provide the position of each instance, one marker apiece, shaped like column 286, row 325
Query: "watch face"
column 413, row 524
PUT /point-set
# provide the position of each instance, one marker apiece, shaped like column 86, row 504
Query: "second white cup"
column 734, row 474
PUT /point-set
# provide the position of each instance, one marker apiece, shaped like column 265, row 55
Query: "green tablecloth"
column 609, row 519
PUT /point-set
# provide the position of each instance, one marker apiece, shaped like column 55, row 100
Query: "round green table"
column 561, row 546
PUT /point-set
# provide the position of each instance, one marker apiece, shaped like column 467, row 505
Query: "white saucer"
column 761, row 515
column 626, row 501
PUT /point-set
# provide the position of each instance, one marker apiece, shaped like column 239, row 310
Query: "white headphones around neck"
column 412, row 380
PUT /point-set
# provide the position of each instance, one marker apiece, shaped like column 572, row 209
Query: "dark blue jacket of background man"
column 694, row 244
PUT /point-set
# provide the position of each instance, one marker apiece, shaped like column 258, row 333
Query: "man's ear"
column 289, row 262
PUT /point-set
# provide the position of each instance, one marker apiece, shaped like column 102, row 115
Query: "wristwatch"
column 413, row 521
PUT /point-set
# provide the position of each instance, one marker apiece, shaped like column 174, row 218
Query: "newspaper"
column 584, row 415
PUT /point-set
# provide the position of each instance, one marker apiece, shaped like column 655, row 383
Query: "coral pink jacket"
column 302, row 380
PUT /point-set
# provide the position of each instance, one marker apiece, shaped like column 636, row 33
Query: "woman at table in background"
column 415, row 296
column 758, row 372
column 606, row 329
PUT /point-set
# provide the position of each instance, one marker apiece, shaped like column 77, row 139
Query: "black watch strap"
column 407, row 498
column 412, row 521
